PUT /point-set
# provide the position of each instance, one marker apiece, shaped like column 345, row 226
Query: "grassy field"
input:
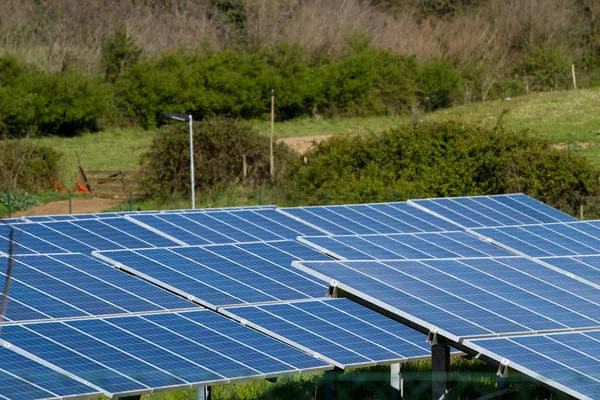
column 569, row 119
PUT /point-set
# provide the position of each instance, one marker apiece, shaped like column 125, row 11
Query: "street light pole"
column 192, row 163
column 187, row 118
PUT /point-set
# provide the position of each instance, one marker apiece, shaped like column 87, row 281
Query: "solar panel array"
column 337, row 331
column 221, row 275
column 489, row 211
column 366, row 219
column 75, row 285
column 468, row 298
column 404, row 246
column 75, row 314
column 563, row 239
column 24, row 379
column 140, row 354
column 568, row 361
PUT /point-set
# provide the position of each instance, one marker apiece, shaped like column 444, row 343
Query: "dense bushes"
column 27, row 166
column 220, row 148
column 33, row 102
column 432, row 160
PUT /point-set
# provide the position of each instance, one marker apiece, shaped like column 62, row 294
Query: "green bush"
column 220, row 146
column 438, row 160
column 548, row 66
column 19, row 200
column 439, row 84
column 28, row 167
column 33, row 102
column 368, row 81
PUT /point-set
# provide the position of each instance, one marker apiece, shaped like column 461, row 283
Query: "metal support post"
column 396, row 382
column 440, row 363
column 331, row 383
column 70, row 203
column 204, row 393
column 192, row 162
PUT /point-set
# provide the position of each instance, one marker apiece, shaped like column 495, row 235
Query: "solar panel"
column 10, row 220
column 489, row 211
column 75, row 217
column 584, row 267
column 84, row 236
column 568, row 361
column 469, row 297
column 222, row 275
column 220, row 227
column 562, row 239
column 24, row 379
column 25, row 243
column 336, row 331
column 141, row 354
column 196, row 210
column 404, row 246
column 75, row 285
column 369, row 219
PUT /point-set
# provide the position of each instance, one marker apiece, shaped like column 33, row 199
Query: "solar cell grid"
column 492, row 211
column 567, row 361
column 547, row 240
column 404, row 246
column 337, row 331
column 24, row 379
column 75, row 285
column 469, row 297
column 220, row 275
column 140, row 354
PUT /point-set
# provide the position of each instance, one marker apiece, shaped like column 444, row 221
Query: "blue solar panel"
column 562, row 239
column 585, row 267
column 25, row 243
column 226, row 274
column 404, row 246
column 469, row 297
column 490, row 211
column 568, row 361
column 75, row 285
column 24, row 379
column 337, row 331
column 140, row 354
column 11, row 220
column 385, row 218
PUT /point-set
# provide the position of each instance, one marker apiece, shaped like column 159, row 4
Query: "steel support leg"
column 396, row 382
column 204, row 393
column 440, row 362
column 331, row 383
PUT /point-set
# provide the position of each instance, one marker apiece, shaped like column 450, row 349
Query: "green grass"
column 116, row 149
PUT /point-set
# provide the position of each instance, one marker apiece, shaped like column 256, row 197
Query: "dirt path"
column 79, row 206
column 304, row 143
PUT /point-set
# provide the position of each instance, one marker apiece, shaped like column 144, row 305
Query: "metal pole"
column 70, row 204
column 325, row 196
column 260, row 196
column 393, row 195
column 271, row 157
column 130, row 200
column 192, row 164
column 8, row 204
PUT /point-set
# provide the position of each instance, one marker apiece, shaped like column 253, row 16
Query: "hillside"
column 567, row 118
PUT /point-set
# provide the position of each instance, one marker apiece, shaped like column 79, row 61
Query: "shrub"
column 548, row 67
column 119, row 52
column 439, row 84
column 368, row 81
column 437, row 160
column 220, row 146
column 33, row 102
column 27, row 166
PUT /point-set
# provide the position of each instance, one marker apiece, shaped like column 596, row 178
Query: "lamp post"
column 187, row 118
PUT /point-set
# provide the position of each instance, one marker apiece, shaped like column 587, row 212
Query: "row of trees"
column 363, row 80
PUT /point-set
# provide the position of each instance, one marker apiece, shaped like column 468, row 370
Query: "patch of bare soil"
column 565, row 146
column 79, row 206
column 303, row 144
